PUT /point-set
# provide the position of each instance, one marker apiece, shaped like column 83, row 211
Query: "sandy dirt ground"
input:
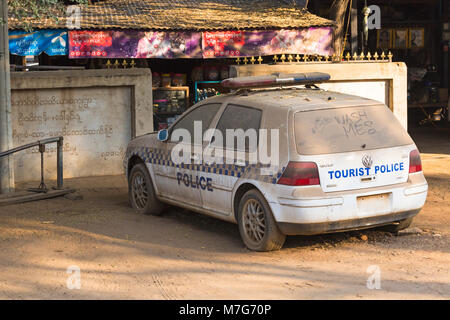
column 184, row 255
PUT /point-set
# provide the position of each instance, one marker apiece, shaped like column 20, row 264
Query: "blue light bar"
column 276, row 80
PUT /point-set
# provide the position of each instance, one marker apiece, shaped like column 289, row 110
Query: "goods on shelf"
column 212, row 73
column 206, row 93
column 169, row 100
column 224, row 72
column 179, row 80
column 168, row 104
column 156, row 79
column 197, row 74
column 166, row 80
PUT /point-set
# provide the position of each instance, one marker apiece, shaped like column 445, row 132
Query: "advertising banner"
column 221, row 44
column 52, row 42
column 134, row 44
column 216, row 44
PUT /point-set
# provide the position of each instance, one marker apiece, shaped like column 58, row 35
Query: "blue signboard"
column 52, row 42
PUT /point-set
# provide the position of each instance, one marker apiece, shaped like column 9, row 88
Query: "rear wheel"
column 141, row 193
column 394, row 228
column 257, row 227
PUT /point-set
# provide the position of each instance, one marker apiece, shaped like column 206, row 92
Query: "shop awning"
column 192, row 15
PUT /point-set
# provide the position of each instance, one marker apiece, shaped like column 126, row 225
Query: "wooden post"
column 337, row 13
column 6, row 164
column 445, row 65
column 354, row 26
column 24, row 63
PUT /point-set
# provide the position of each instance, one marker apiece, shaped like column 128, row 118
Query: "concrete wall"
column 97, row 112
column 382, row 81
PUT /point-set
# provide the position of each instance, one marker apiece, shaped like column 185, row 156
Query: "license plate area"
column 374, row 203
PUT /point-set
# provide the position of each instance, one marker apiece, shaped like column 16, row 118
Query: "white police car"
column 298, row 161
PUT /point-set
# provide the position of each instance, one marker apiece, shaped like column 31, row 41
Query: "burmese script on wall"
column 95, row 123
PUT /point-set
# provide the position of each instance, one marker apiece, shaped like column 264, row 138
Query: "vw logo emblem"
column 367, row 161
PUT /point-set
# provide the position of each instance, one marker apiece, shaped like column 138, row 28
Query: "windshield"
column 348, row 129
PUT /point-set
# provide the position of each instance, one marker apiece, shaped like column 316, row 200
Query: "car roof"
column 294, row 98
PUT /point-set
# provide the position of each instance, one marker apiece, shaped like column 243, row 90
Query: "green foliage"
column 21, row 9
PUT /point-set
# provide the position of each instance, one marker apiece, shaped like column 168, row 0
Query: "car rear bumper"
column 344, row 225
column 349, row 210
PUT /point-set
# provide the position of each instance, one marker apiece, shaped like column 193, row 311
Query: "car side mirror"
column 163, row 135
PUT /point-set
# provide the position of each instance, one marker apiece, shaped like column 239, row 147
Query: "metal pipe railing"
column 41, row 144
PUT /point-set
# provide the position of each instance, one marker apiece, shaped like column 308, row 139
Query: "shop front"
column 188, row 48
column 188, row 66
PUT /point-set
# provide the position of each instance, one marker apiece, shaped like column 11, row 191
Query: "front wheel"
column 141, row 193
column 257, row 227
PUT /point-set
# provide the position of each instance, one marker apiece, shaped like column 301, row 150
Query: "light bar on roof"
column 276, row 80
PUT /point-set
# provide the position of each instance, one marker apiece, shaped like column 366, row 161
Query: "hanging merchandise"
column 212, row 73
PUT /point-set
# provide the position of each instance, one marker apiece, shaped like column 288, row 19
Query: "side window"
column 205, row 114
column 238, row 117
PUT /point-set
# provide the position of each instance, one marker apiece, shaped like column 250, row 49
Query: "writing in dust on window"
column 352, row 124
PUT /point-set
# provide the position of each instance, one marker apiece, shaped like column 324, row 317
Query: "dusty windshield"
column 348, row 129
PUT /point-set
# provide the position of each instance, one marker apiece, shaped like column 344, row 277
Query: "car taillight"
column 300, row 174
column 415, row 165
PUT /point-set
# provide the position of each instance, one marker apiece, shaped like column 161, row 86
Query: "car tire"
column 257, row 226
column 141, row 192
column 394, row 228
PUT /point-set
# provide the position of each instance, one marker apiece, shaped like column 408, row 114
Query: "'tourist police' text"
column 359, row 172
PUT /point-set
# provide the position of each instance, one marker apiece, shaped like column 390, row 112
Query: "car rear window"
column 348, row 129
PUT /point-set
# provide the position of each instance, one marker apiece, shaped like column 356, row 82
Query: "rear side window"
column 239, row 117
column 348, row 129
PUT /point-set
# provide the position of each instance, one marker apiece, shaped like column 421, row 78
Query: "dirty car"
column 343, row 162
